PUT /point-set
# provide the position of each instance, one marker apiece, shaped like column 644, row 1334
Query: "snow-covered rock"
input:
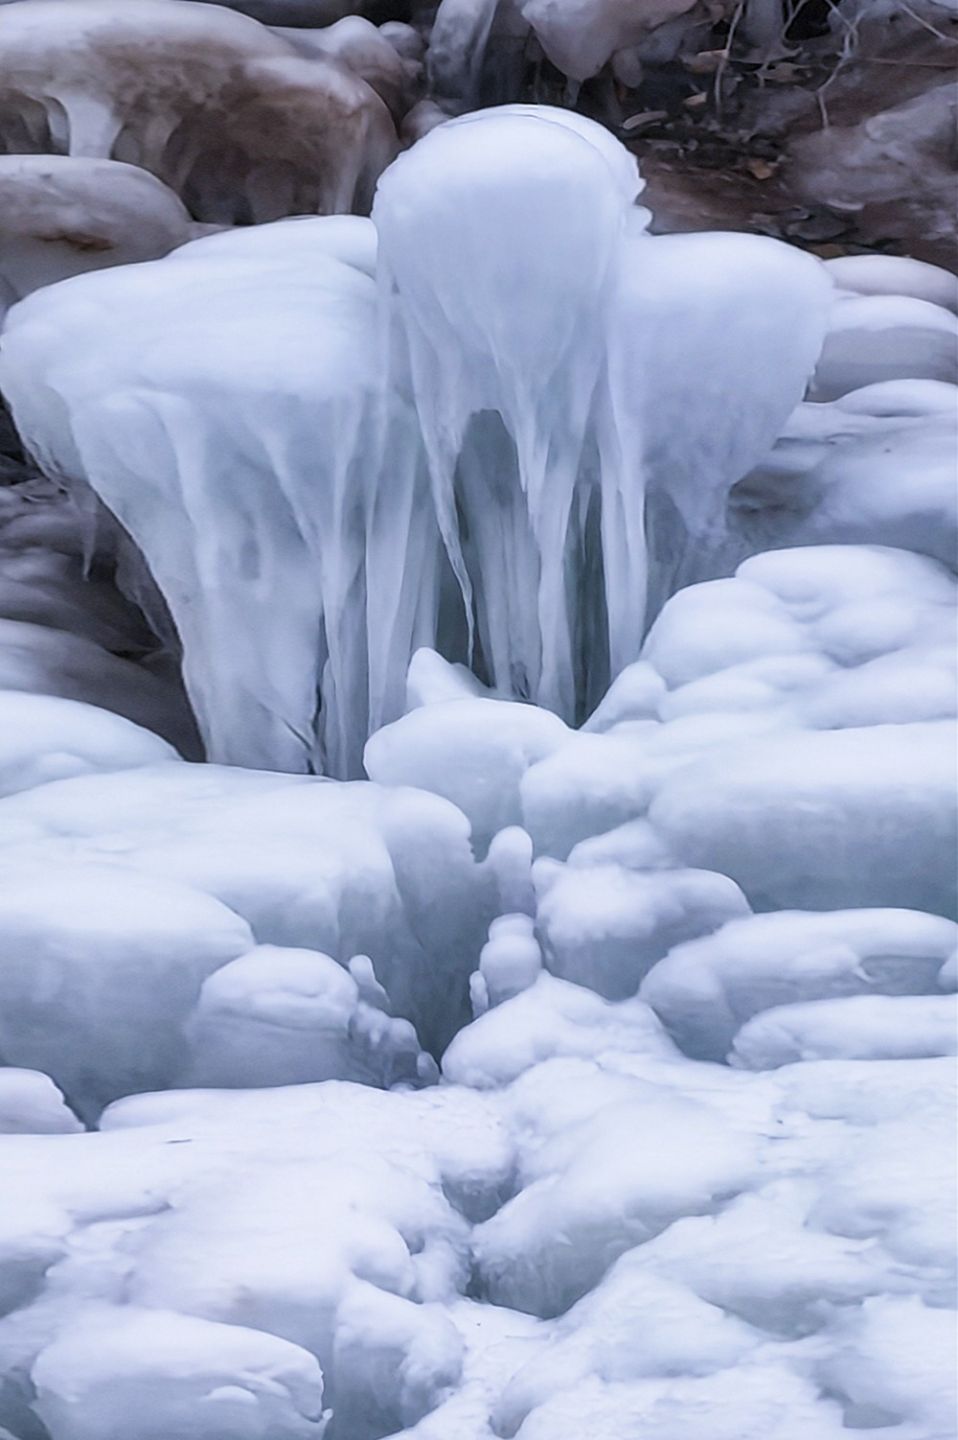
column 707, row 989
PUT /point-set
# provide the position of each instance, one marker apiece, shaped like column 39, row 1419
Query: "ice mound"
column 875, row 338
column 550, row 1018
column 348, row 870
column 871, row 467
column 180, row 1376
column 165, row 1292
column 510, row 481
column 862, row 1027
column 287, row 1017
column 707, row 989
column 605, row 925
column 99, row 969
column 30, row 1104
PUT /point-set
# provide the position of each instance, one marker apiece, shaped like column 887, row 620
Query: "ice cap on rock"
column 99, row 969
column 44, row 738
column 284, row 1017
column 62, row 215
column 512, row 433
column 863, row 1027
column 706, row 989
column 175, row 1377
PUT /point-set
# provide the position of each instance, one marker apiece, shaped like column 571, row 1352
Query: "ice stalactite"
column 509, row 437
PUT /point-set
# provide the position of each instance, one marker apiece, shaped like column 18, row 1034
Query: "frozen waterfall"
column 509, row 435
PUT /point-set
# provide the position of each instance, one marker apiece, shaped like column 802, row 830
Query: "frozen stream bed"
column 535, row 1015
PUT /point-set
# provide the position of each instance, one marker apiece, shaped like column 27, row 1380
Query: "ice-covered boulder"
column 548, row 1019
column 285, row 1017
column 63, row 215
column 474, row 752
column 99, row 969
column 345, row 869
column 874, row 338
column 43, row 738
column 174, row 1377
column 605, row 926
column 895, row 275
column 707, row 989
column 831, row 818
column 871, row 467
column 30, row 1104
column 856, row 1027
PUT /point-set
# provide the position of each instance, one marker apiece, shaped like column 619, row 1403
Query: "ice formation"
column 586, row 1069
column 543, row 434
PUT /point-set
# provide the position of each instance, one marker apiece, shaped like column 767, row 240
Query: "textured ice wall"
column 528, row 430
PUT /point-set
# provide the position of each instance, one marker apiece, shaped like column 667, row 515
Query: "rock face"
column 579, row 1061
column 226, row 112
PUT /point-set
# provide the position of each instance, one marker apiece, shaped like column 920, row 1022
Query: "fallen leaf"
column 644, row 117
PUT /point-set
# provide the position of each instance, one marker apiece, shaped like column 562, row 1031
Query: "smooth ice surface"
column 348, row 870
column 99, row 968
column 43, row 737
column 182, row 1378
